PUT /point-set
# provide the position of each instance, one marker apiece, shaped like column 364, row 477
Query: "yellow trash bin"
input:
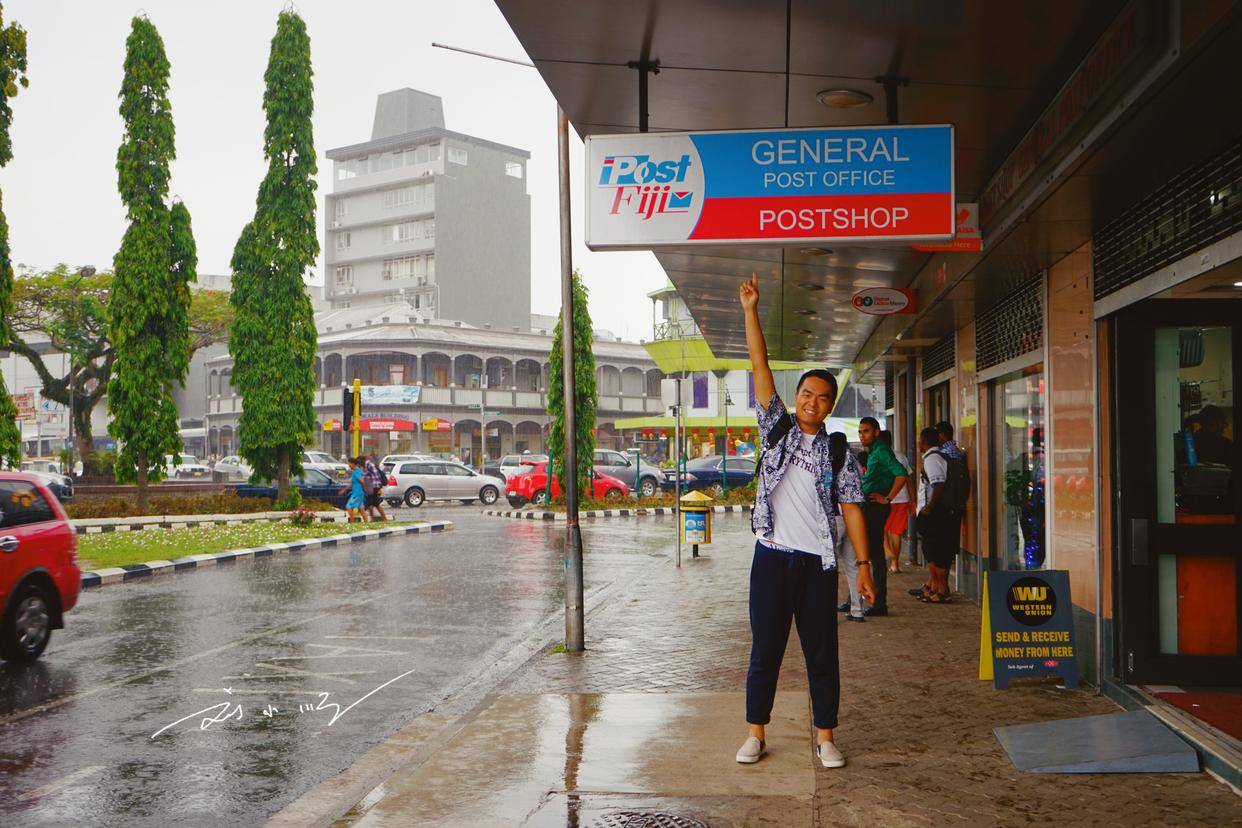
column 696, row 519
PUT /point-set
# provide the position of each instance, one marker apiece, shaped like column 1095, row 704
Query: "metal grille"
column 645, row 819
column 889, row 384
column 1012, row 327
column 1200, row 205
column 940, row 357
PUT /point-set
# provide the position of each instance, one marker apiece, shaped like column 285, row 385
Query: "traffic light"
column 347, row 416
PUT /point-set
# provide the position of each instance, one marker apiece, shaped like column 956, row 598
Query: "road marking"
column 23, row 714
column 64, row 782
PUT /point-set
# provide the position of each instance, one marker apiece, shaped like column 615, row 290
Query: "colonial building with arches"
column 481, row 392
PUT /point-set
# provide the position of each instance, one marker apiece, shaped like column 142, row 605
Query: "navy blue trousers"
column 785, row 586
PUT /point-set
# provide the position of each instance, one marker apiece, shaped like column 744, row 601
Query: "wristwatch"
column 864, row 563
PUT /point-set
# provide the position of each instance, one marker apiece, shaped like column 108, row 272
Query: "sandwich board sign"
column 829, row 184
column 1028, row 627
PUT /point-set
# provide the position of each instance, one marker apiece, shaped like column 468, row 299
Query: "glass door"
column 1019, row 463
column 1179, row 498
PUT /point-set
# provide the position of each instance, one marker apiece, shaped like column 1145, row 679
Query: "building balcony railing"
column 504, row 401
column 676, row 329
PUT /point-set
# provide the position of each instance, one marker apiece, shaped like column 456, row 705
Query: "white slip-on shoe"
column 828, row 755
column 751, row 750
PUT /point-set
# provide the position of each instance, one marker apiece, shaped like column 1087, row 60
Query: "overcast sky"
column 60, row 192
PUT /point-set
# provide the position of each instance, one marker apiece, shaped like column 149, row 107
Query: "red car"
column 531, row 486
column 39, row 575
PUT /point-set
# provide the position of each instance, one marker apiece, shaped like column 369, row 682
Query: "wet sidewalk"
column 646, row 723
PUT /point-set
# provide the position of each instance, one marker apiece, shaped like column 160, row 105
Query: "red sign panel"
column 386, row 425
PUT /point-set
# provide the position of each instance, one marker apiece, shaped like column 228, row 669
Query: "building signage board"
column 1028, row 627
column 437, row 424
column 26, row 407
column 849, row 184
column 391, row 394
column 967, row 239
column 884, row 301
column 374, row 424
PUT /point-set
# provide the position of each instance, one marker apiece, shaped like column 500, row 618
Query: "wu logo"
column 1030, row 593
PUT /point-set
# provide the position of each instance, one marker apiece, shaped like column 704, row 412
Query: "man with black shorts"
column 373, row 480
column 938, row 525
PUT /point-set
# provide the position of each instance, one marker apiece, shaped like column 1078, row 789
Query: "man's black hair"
column 931, row 436
column 871, row 421
column 820, row 373
column 946, row 428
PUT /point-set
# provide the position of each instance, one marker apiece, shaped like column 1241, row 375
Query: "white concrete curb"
column 642, row 511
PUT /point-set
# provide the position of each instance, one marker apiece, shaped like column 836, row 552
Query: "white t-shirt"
column 935, row 470
column 795, row 503
column 903, row 496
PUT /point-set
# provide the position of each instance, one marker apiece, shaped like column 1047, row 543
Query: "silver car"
column 231, row 469
column 420, row 481
column 326, row 463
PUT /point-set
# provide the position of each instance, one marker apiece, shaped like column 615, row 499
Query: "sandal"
column 921, row 593
column 937, row 598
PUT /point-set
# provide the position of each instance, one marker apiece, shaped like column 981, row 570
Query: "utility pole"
column 574, row 620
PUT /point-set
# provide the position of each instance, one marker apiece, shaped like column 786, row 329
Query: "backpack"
column 956, row 484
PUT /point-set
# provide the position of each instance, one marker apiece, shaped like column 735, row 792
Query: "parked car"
column 392, row 460
column 39, row 575
column 326, row 463
column 231, row 469
column 59, row 484
column 625, row 469
column 414, row 483
column 703, row 473
column 531, row 486
column 510, row 464
column 312, row 483
column 188, row 469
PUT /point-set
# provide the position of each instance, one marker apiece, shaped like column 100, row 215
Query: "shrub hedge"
column 215, row 504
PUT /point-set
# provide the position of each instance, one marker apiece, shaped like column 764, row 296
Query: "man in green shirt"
column 881, row 482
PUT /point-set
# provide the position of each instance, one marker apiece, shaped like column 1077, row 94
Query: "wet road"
column 216, row 697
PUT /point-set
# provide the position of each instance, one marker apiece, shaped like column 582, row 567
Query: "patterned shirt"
column 953, row 450
column 843, row 487
column 374, row 476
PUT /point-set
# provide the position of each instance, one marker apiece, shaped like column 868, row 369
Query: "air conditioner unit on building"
column 336, row 223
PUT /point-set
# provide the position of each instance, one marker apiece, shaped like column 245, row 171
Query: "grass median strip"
column 124, row 548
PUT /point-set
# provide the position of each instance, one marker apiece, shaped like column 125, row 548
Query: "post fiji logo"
column 644, row 187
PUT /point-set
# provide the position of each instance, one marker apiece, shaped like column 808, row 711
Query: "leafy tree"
column 585, row 397
column 149, row 307
column 273, row 337
column 66, row 312
column 12, row 75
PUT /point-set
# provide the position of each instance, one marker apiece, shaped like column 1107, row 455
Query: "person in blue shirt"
column 357, row 496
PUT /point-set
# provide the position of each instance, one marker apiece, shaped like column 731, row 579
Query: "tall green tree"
column 586, row 400
column 149, row 306
column 273, row 337
column 12, row 75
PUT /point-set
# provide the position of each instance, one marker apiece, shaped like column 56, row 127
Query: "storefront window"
column 1019, row 403
column 1194, row 425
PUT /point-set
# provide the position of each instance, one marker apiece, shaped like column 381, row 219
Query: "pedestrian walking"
column 899, row 511
column 936, row 521
column 881, row 482
column 793, row 575
column 357, row 497
column 838, row 450
column 373, row 487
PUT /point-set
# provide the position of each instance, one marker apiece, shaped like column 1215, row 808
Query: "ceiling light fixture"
column 843, row 98
column 805, row 331
column 815, row 251
column 806, row 312
column 810, row 286
column 1237, row 284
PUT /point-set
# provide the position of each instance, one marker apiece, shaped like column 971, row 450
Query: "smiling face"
column 813, row 403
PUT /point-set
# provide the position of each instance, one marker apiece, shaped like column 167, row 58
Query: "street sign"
column 852, row 184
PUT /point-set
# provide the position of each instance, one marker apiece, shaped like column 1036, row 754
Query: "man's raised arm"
column 765, row 386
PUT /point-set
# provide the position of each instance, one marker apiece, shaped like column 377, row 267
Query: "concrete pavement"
column 643, row 726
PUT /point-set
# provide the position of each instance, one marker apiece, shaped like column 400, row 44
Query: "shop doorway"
column 1177, row 363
